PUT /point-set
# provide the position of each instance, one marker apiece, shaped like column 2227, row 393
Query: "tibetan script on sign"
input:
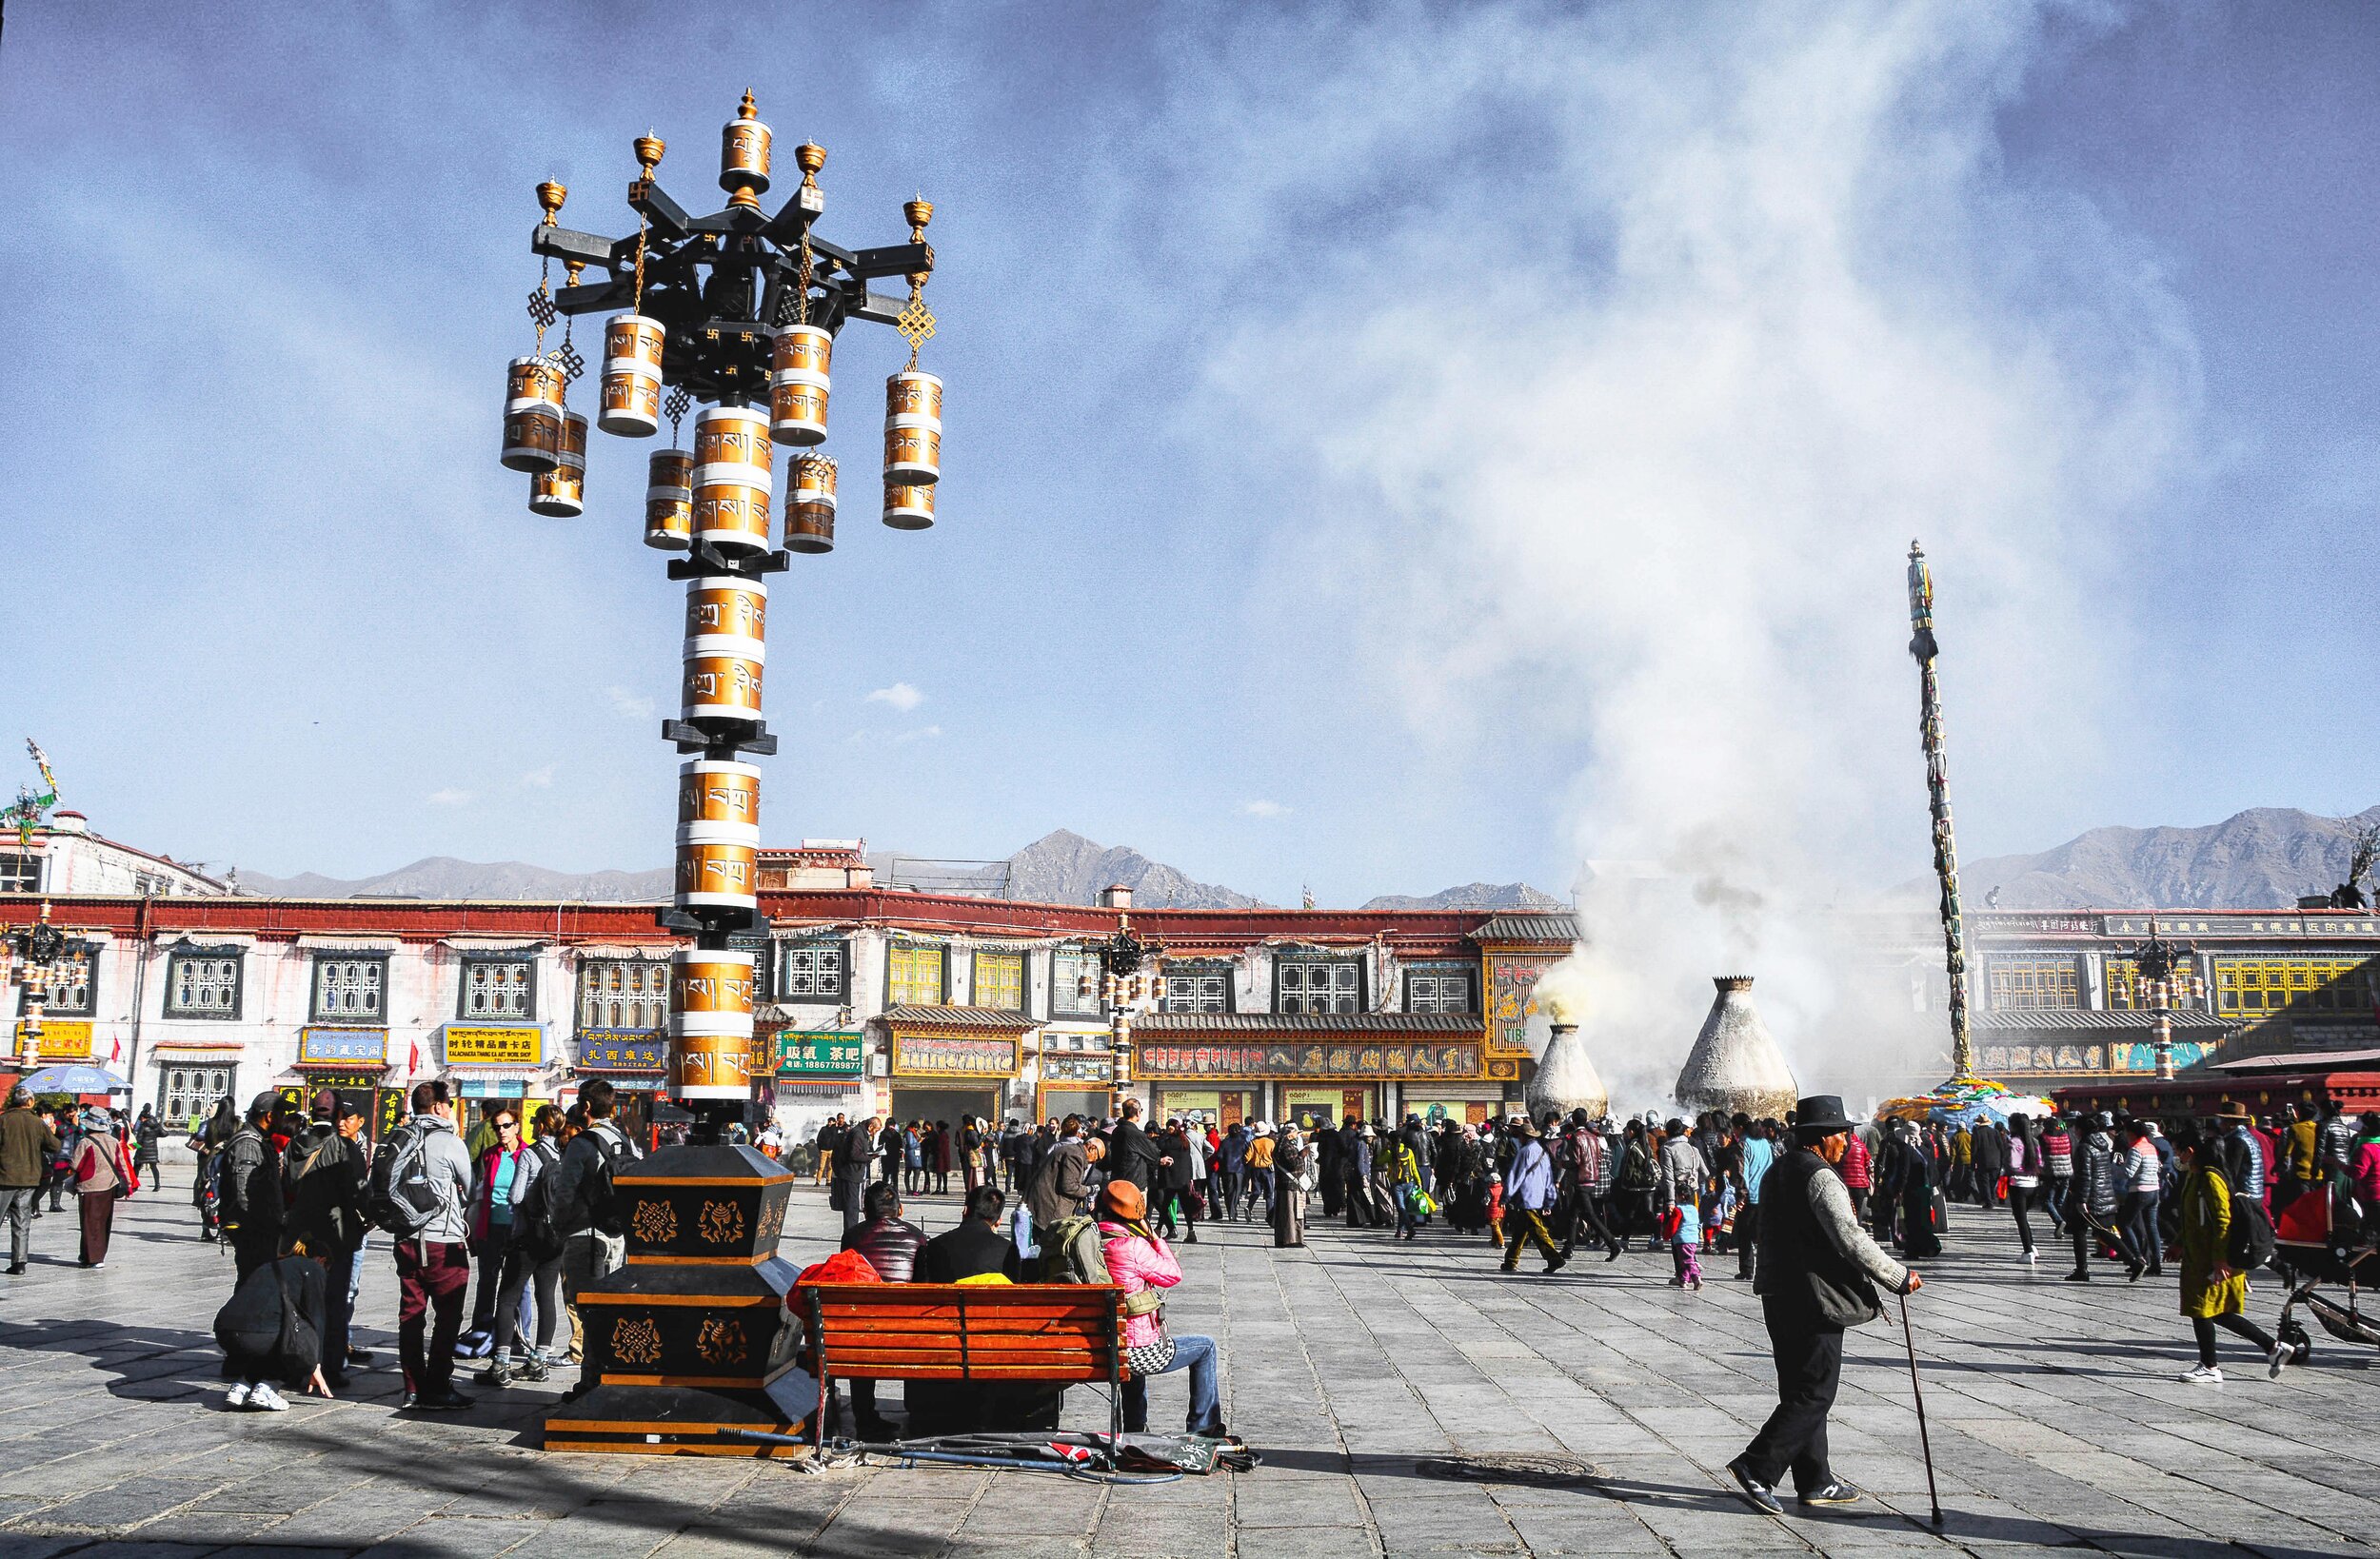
column 1399, row 1058
column 936, row 1055
column 632, row 1050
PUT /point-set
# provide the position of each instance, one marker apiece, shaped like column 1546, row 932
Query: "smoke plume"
column 1658, row 334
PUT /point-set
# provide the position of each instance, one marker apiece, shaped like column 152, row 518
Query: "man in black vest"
column 1818, row 1275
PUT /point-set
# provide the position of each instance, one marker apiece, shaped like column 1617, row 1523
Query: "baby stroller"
column 2325, row 1239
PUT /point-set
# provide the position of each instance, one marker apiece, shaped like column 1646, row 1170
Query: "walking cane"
column 1924, row 1444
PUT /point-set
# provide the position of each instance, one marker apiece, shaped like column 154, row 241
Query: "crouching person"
column 1142, row 1265
column 271, row 1328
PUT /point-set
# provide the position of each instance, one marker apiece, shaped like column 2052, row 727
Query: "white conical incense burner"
column 1735, row 1066
column 1566, row 1079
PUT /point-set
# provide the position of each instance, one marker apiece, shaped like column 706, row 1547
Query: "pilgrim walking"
column 1817, row 1273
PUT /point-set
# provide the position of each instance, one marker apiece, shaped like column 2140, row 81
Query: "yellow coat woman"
column 2209, row 1287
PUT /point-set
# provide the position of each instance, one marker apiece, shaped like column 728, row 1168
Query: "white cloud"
column 922, row 733
column 450, row 796
column 901, row 696
column 539, row 779
column 1265, row 809
column 627, row 701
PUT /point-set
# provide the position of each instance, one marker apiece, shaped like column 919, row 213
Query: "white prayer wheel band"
column 710, row 646
column 728, row 473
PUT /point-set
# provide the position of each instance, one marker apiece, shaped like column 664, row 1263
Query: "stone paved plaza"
column 2057, row 1418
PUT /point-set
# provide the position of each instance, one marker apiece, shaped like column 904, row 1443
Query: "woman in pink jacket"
column 1142, row 1264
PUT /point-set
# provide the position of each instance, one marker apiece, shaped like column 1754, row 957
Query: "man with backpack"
column 594, row 1237
column 421, row 1178
column 324, row 1177
column 251, row 1207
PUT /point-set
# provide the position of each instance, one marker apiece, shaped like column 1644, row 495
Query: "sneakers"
column 1555, row 1265
column 2276, row 1359
column 1835, row 1492
column 2031, row 1258
column 1755, row 1493
column 359, row 1357
column 2205, row 1374
column 497, row 1375
column 263, row 1398
column 448, row 1401
column 2079, row 1275
column 237, row 1396
column 533, row 1367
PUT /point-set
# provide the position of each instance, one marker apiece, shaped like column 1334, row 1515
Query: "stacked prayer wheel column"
column 733, row 316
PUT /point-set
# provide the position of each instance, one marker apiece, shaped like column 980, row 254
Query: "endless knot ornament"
column 654, row 1223
column 567, row 356
column 542, row 308
column 720, row 1342
column 636, row 1341
column 678, row 404
column 722, row 1223
column 915, row 322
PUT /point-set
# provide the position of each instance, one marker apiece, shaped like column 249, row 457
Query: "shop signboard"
column 952, row 1055
column 354, row 1048
column 478, row 1046
column 1397, row 1058
column 819, row 1052
column 622, row 1050
column 62, row 1039
column 1076, row 1069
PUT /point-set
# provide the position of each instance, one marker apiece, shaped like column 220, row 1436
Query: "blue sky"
column 1385, row 448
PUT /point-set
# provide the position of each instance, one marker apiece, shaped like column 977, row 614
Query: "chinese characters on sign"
column 819, row 1053
column 368, row 1047
column 638, row 1052
column 935, row 1055
column 1512, row 996
column 1433, row 1059
column 491, row 1047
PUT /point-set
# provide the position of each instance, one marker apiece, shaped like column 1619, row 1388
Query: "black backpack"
column 261, row 1325
column 597, row 1194
column 2251, row 1243
column 533, row 1227
column 399, row 1198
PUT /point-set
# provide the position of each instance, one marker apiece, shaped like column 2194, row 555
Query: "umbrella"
column 73, row 1079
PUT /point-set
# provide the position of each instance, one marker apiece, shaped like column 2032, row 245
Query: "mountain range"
column 2261, row 859
column 1062, row 867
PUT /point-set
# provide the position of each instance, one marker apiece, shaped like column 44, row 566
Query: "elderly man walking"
column 1528, row 1195
column 1817, row 1273
column 26, row 1146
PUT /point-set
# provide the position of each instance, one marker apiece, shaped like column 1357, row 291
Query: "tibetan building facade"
column 872, row 1001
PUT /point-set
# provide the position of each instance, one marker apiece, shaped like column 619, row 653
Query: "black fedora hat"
column 1821, row 1115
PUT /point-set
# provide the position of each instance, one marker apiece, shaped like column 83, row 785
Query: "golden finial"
column 750, row 109
column 648, row 149
column 550, row 195
column 744, row 198
column 919, row 211
column 812, row 157
column 570, row 270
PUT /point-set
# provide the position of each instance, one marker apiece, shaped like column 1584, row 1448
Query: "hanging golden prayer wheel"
column 744, row 151
column 562, row 492
column 913, row 428
column 718, row 604
column 669, row 499
column 532, row 415
column 711, row 992
column 631, row 398
column 719, row 790
column 811, row 511
column 732, row 479
column 798, row 383
column 909, row 509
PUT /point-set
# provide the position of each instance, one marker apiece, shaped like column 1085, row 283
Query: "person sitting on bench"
column 1140, row 1264
column 891, row 1247
column 977, row 1251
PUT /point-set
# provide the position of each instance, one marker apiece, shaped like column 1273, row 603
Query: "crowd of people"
column 493, row 1237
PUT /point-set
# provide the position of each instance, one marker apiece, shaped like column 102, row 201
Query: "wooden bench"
column 1072, row 1333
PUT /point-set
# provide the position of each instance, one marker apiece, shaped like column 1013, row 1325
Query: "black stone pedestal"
column 691, row 1336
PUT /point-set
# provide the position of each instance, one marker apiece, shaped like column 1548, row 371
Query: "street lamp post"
column 2165, row 976
column 35, row 949
column 738, row 313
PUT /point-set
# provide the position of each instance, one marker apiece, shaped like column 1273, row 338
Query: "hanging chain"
column 916, row 321
column 542, row 302
column 801, row 296
column 572, row 364
column 638, row 306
